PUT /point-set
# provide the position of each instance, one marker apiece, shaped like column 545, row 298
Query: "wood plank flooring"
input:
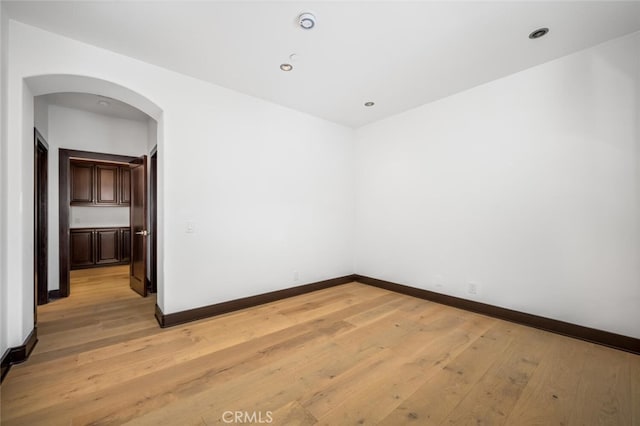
column 347, row 355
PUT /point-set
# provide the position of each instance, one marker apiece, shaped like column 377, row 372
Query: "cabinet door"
column 106, row 184
column 81, row 183
column 107, row 246
column 125, row 185
column 82, row 253
column 125, row 245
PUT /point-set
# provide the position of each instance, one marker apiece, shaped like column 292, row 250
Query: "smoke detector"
column 306, row 21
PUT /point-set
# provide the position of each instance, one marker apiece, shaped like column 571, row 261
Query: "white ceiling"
column 95, row 104
column 398, row 54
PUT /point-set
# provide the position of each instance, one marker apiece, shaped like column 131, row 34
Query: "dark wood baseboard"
column 613, row 340
column 593, row 335
column 5, row 364
column 54, row 294
column 18, row 354
column 169, row 320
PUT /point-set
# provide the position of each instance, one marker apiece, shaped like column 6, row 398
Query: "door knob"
column 144, row 233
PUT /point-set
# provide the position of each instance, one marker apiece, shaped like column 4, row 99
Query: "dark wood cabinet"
column 107, row 246
column 125, row 185
column 125, row 245
column 82, row 186
column 107, row 185
column 99, row 184
column 82, row 253
column 91, row 247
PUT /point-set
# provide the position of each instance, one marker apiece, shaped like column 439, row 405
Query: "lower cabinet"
column 125, row 245
column 107, row 246
column 82, row 253
column 91, row 247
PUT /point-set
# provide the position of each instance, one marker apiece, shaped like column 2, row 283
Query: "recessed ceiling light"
column 286, row 67
column 538, row 33
column 307, row 21
column 369, row 104
column 103, row 103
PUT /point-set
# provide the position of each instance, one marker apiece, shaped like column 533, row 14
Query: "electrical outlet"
column 472, row 288
column 438, row 280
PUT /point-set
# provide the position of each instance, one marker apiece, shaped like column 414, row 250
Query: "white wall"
column 25, row 248
column 97, row 217
column 528, row 186
column 269, row 190
column 152, row 134
column 4, row 33
column 86, row 131
column 41, row 116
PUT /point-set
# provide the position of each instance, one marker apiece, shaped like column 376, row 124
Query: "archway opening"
column 44, row 85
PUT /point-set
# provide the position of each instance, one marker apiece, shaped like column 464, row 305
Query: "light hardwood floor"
column 351, row 354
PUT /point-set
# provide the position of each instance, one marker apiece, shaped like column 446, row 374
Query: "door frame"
column 40, row 219
column 153, row 218
column 64, row 195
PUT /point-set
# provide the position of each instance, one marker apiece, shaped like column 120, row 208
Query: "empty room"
column 331, row 212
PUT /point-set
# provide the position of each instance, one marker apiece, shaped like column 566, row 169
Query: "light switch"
column 190, row 227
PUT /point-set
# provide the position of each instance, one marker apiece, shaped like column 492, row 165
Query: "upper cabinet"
column 106, row 184
column 99, row 184
column 125, row 186
column 81, row 183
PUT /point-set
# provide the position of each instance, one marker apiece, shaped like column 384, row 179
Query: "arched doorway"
column 61, row 83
